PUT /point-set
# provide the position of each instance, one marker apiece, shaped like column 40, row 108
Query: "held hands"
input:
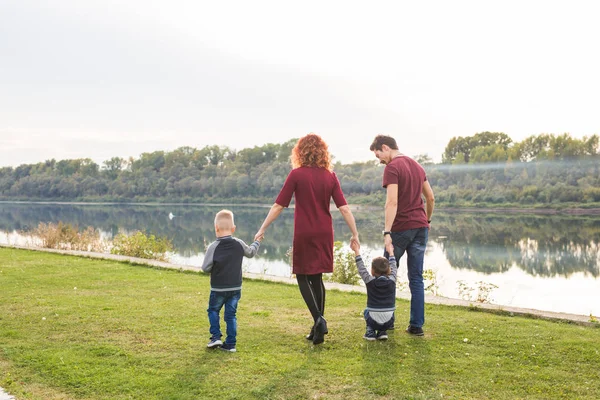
column 389, row 247
column 260, row 235
column 355, row 246
column 354, row 238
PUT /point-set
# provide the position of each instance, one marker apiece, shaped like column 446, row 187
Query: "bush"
column 344, row 266
column 68, row 237
column 481, row 293
column 142, row 246
column 592, row 194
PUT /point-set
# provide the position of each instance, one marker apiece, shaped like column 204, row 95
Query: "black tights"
column 313, row 292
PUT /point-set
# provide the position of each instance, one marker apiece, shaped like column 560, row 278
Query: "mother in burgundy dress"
column 313, row 184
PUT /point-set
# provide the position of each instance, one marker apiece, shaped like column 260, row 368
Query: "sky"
column 104, row 78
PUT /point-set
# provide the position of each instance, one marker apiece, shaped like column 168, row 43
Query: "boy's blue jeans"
column 216, row 301
column 413, row 242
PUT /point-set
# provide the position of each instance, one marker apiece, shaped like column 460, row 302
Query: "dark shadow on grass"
column 380, row 363
column 214, row 373
column 199, row 371
column 399, row 367
column 419, row 361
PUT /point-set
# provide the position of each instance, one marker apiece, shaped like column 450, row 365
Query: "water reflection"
column 544, row 246
column 541, row 245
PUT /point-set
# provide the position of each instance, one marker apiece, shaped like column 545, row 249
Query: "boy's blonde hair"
column 224, row 220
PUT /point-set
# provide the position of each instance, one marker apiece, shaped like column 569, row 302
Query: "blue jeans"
column 230, row 299
column 413, row 242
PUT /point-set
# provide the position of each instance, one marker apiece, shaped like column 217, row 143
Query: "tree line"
column 488, row 168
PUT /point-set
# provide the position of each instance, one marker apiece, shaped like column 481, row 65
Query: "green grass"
column 130, row 332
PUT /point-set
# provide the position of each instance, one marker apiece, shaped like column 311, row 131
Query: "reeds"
column 67, row 237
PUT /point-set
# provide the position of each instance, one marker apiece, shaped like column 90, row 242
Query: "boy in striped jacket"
column 223, row 260
column 381, row 293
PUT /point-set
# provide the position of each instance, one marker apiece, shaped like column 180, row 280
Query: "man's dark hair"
column 380, row 140
column 380, row 266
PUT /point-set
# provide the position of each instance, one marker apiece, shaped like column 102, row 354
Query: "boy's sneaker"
column 214, row 342
column 415, row 331
column 382, row 335
column 370, row 335
column 228, row 347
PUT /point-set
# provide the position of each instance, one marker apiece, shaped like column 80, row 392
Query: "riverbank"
column 405, row 295
column 98, row 329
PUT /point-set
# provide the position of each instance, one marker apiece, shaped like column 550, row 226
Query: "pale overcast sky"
column 104, row 78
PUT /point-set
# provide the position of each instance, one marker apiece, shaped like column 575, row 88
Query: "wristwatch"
column 386, row 233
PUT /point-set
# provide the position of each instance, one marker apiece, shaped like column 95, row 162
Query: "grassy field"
column 73, row 328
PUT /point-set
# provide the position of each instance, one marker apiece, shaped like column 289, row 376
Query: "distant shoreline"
column 355, row 207
column 108, row 203
column 541, row 211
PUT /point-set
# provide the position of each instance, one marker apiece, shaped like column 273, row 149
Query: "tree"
column 491, row 153
column 591, row 145
column 113, row 167
column 22, row 171
column 533, row 146
column 455, row 147
column 423, row 159
column 465, row 145
column 88, row 167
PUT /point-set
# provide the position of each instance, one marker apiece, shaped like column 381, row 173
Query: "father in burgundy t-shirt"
column 407, row 219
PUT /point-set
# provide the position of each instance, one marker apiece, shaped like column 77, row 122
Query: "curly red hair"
column 311, row 151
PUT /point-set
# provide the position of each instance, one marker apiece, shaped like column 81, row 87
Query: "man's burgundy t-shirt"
column 409, row 176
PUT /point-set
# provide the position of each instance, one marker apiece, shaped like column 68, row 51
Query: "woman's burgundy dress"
column 313, row 189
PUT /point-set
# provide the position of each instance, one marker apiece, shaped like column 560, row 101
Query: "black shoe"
column 320, row 330
column 413, row 330
column 382, row 335
column 311, row 335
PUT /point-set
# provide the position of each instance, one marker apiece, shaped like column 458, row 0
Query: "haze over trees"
column 488, row 168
